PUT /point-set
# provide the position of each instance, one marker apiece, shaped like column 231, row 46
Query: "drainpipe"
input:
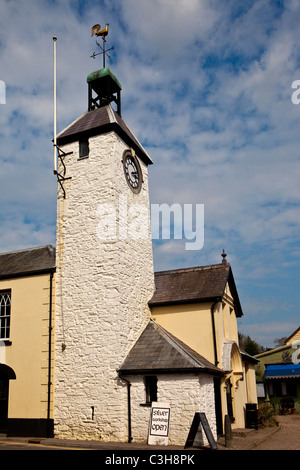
column 128, row 406
column 212, row 309
column 49, row 434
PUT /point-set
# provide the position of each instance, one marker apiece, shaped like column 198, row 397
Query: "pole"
column 104, row 41
column 54, row 106
column 228, row 432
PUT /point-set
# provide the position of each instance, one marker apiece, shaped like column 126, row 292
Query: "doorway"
column 218, row 406
column 3, row 403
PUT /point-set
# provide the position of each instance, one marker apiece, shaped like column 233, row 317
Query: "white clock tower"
column 104, row 264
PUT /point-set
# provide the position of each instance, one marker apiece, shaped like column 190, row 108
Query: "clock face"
column 132, row 172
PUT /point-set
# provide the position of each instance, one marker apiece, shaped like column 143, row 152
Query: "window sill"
column 6, row 342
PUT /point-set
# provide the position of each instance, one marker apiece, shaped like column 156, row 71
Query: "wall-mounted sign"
column 159, row 424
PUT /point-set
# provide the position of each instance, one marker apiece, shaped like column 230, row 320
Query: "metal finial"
column 224, row 261
column 96, row 30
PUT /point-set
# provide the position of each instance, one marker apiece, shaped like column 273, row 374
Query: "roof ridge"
column 193, row 268
column 28, row 249
column 111, row 114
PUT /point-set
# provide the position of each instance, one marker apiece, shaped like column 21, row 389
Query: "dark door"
column 218, row 406
column 3, row 403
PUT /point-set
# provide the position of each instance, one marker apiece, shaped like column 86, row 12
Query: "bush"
column 266, row 416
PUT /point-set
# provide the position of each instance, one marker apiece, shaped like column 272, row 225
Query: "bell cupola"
column 103, row 88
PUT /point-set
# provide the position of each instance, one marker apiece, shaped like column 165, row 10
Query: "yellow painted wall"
column 251, row 383
column 191, row 323
column 28, row 353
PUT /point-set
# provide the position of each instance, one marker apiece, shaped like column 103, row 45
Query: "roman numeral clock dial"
column 133, row 173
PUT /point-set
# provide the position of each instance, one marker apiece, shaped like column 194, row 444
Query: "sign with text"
column 159, row 424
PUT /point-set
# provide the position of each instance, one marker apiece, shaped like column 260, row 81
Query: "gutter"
column 26, row 273
column 189, row 370
column 128, row 405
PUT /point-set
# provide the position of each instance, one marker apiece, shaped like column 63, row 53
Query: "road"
column 15, row 445
column 288, row 436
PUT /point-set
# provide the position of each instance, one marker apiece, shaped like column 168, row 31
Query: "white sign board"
column 159, row 424
column 260, row 389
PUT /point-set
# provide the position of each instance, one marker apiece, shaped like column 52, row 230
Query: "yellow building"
column 26, row 341
column 200, row 307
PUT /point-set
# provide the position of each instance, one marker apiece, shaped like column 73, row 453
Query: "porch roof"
column 157, row 350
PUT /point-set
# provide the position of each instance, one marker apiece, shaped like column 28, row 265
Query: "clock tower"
column 104, row 264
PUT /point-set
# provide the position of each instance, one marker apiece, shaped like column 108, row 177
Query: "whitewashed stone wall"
column 103, row 289
column 186, row 393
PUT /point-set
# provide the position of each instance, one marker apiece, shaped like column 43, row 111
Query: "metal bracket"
column 61, row 177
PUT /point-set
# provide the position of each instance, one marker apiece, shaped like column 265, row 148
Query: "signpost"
column 159, row 424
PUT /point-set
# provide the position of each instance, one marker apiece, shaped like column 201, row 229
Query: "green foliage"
column 249, row 345
column 266, row 416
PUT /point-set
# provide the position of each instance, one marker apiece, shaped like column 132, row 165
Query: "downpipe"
column 128, row 406
column 212, row 309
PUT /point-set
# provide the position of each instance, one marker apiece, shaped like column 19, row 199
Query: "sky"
column 207, row 88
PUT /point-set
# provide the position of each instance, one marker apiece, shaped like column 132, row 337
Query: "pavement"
column 242, row 439
column 246, row 439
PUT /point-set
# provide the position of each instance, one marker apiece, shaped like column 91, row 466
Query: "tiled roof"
column 198, row 284
column 26, row 262
column 99, row 121
column 157, row 350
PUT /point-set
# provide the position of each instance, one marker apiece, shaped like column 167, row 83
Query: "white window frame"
column 5, row 314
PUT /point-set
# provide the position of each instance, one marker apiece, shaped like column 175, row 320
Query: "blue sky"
column 207, row 91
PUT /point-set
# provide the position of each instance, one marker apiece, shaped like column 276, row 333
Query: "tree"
column 280, row 341
column 249, row 345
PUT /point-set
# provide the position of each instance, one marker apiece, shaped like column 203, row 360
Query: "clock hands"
column 132, row 172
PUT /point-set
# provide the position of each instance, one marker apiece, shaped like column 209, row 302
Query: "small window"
column 151, row 389
column 83, row 148
column 5, row 303
column 292, row 387
column 283, row 389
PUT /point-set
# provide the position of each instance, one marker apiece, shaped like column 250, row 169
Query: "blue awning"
column 276, row 371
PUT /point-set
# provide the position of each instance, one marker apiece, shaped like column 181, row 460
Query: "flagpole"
column 54, row 106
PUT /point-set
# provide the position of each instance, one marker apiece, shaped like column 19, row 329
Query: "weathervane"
column 96, row 31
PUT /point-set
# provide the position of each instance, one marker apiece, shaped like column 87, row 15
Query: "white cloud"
column 265, row 333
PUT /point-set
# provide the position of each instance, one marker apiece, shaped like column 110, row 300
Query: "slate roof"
column 197, row 284
column 27, row 262
column 157, row 350
column 99, row 121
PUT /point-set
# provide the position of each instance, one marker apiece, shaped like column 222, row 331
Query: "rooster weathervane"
column 96, row 31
